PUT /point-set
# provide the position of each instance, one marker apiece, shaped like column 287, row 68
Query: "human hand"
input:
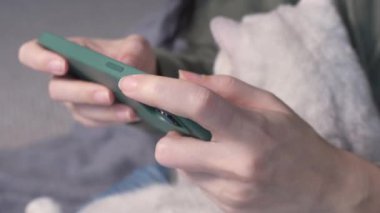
column 262, row 158
column 89, row 103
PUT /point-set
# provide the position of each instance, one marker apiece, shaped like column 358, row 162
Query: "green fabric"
column 362, row 20
column 360, row 17
column 199, row 57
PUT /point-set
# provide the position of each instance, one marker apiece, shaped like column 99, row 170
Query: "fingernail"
column 128, row 84
column 126, row 114
column 123, row 113
column 56, row 67
column 102, row 97
column 186, row 75
column 133, row 117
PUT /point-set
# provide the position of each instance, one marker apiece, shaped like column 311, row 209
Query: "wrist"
column 355, row 187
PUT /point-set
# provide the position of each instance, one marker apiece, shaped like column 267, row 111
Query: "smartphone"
column 86, row 64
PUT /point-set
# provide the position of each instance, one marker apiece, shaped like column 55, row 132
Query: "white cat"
column 301, row 54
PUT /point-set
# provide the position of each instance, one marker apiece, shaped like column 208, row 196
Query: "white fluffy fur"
column 303, row 56
column 180, row 198
column 43, row 205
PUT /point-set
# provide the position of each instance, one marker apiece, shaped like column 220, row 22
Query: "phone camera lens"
column 168, row 117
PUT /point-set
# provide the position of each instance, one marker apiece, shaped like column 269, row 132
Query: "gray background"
column 26, row 112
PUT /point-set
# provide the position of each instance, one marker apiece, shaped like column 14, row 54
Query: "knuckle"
column 138, row 44
column 236, row 197
column 228, row 81
column 138, row 39
column 255, row 172
column 246, row 171
column 203, row 99
column 131, row 60
column 249, row 168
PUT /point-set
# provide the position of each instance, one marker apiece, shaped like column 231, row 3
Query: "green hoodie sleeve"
column 362, row 19
column 201, row 51
column 169, row 63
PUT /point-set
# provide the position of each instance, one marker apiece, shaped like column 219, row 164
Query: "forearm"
column 358, row 190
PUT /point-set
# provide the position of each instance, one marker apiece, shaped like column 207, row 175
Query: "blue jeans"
column 140, row 178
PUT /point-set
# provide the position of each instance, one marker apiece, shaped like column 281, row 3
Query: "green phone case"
column 92, row 66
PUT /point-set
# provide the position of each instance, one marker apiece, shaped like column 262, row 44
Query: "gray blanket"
column 73, row 168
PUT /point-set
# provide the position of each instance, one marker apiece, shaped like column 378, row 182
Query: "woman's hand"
column 90, row 103
column 262, row 158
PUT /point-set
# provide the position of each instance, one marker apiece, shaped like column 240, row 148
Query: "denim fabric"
column 140, row 178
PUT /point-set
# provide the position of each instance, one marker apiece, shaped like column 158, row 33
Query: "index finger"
column 36, row 57
column 182, row 98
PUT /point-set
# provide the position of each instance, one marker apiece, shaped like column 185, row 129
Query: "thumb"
column 237, row 92
column 191, row 155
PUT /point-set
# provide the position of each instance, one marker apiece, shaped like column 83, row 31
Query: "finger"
column 34, row 56
column 76, row 91
column 134, row 51
column 182, row 98
column 193, row 155
column 236, row 91
column 88, row 122
column 117, row 113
